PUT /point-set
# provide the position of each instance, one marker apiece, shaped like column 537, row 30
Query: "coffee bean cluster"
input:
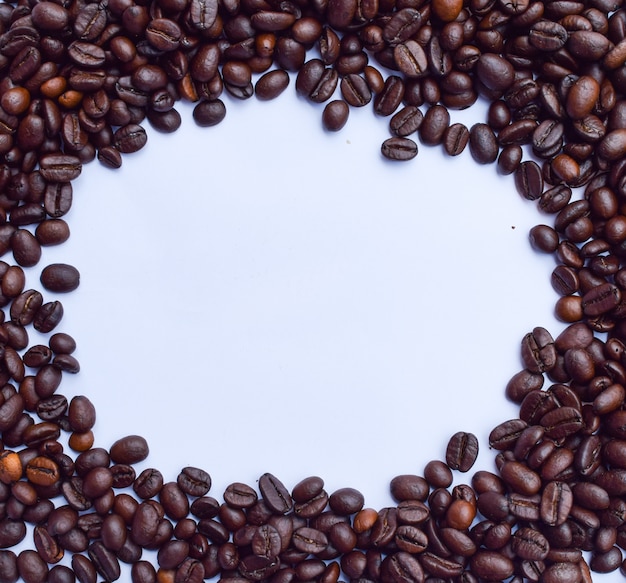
column 78, row 81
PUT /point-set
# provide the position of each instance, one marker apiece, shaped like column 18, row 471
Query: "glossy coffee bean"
column 60, row 278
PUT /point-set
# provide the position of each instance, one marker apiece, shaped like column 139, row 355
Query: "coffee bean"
column 335, row 115
column 60, row 168
column 462, row 451
column 26, row 248
column 309, row 540
column 129, row 450
column 60, row 278
column 455, row 139
column 483, row 144
column 194, row 481
column 209, row 113
column 129, row 138
column 271, row 84
column 275, row 494
column 491, row 565
column 388, row 100
column 435, row 123
column 529, row 180
column 399, row 149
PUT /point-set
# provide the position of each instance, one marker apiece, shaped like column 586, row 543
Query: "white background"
column 267, row 296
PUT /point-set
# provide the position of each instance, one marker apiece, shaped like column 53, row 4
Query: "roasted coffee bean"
column 437, row 474
column 60, row 168
column 355, row 90
column 538, row 351
column 529, row 180
column 335, row 115
column 400, row 149
column 494, row 72
column 25, row 306
column 12, row 532
column 194, row 481
column 436, row 121
column 309, row 540
column 26, row 248
column 506, row 434
column 129, row 138
column 52, row 232
column 275, row 495
column 129, row 450
column 406, row 121
column 209, row 113
column 455, row 139
column 104, row 561
column 491, row 565
column 462, row 451
column 346, row 501
column 409, row 487
column 388, row 100
column 402, row 566
column 48, row 317
column 271, row 84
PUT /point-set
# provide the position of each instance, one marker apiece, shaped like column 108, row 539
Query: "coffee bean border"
column 78, row 80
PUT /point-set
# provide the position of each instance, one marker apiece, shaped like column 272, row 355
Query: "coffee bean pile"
column 79, row 79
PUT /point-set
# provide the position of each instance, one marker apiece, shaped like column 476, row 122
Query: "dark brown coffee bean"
column 194, row 481
column 436, row 121
column 25, row 306
column 274, row 493
column 52, row 232
column 402, row 566
column 406, row 121
column 335, row 115
column 309, row 540
column 529, row 180
column 346, row 501
column 556, row 503
column 491, row 565
column 402, row 26
column 271, row 84
column 129, row 138
column 483, row 144
column 601, row 299
column 455, row 139
column 209, row 113
column 506, row 434
column 60, row 278
column 462, row 451
column 60, row 167
column 400, row 149
column 494, row 72
column 104, row 561
column 81, row 414
column 355, row 90
column 26, row 248
column 440, row 566
column 48, row 317
column 129, row 450
column 388, row 100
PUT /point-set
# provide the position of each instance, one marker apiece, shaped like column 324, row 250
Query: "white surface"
column 263, row 291
column 265, row 296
